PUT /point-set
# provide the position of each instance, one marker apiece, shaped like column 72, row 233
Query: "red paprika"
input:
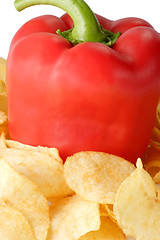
column 85, row 86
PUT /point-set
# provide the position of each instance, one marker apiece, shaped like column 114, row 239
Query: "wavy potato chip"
column 73, row 217
column 21, row 193
column 53, row 152
column 137, row 207
column 108, row 231
column 13, row 225
column 96, row 176
column 40, row 167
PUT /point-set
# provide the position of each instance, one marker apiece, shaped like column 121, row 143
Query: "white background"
column 11, row 20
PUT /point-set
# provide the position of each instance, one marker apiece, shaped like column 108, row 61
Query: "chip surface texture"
column 137, row 206
column 96, row 176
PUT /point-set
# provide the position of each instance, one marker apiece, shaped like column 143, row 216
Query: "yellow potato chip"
column 3, row 119
column 109, row 209
column 2, row 86
column 103, row 211
column 108, row 231
column 3, row 102
column 136, row 207
column 3, row 63
column 2, row 140
column 44, row 170
column 54, row 200
column 13, row 225
column 157, row 124
column 153, row 168
column 158, row 191
column 3, row 123
column 96, row 176
column 151, row 154
column 156, row 134
column 152, row 164
column 3, row 98
column 5, row 131
column 53, row 152
column 158, row 107
column 19, row 192
column 106, row 210
column 157, row 178
column 155, row 144
column 73, row 217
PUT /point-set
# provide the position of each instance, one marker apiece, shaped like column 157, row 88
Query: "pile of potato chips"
column 92, row 196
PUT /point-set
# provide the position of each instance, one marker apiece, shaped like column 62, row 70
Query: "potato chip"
column 53, row 152
column 158, row 107
column 157, row 124
column 155, row 138
column 5, row 131
column 3, row 99
column 13, row 225
column 96, row 176
column 136, row 207
column 109, row 210
column 157, row 178
column 103, row 212
column 3, row 102
column 108, row 231
column 153, row 168
column 3, row 119
column 155, row 134
column 2, row 86
column 152, row 164
column 19, row 192
column 150, row 155
column 106, row 210
column 155, row 144
column 41, row 168
column 158, row 191
column 3, row 63
column 73, row 217
column 2, row 140
column 54, row 200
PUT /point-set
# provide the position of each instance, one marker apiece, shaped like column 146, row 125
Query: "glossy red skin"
column 86, row 97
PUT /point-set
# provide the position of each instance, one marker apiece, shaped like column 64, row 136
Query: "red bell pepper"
column 85, row 87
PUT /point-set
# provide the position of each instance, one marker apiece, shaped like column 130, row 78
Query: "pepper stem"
column 86, row 26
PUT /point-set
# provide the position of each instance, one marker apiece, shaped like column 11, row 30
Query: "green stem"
column 86, row 26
